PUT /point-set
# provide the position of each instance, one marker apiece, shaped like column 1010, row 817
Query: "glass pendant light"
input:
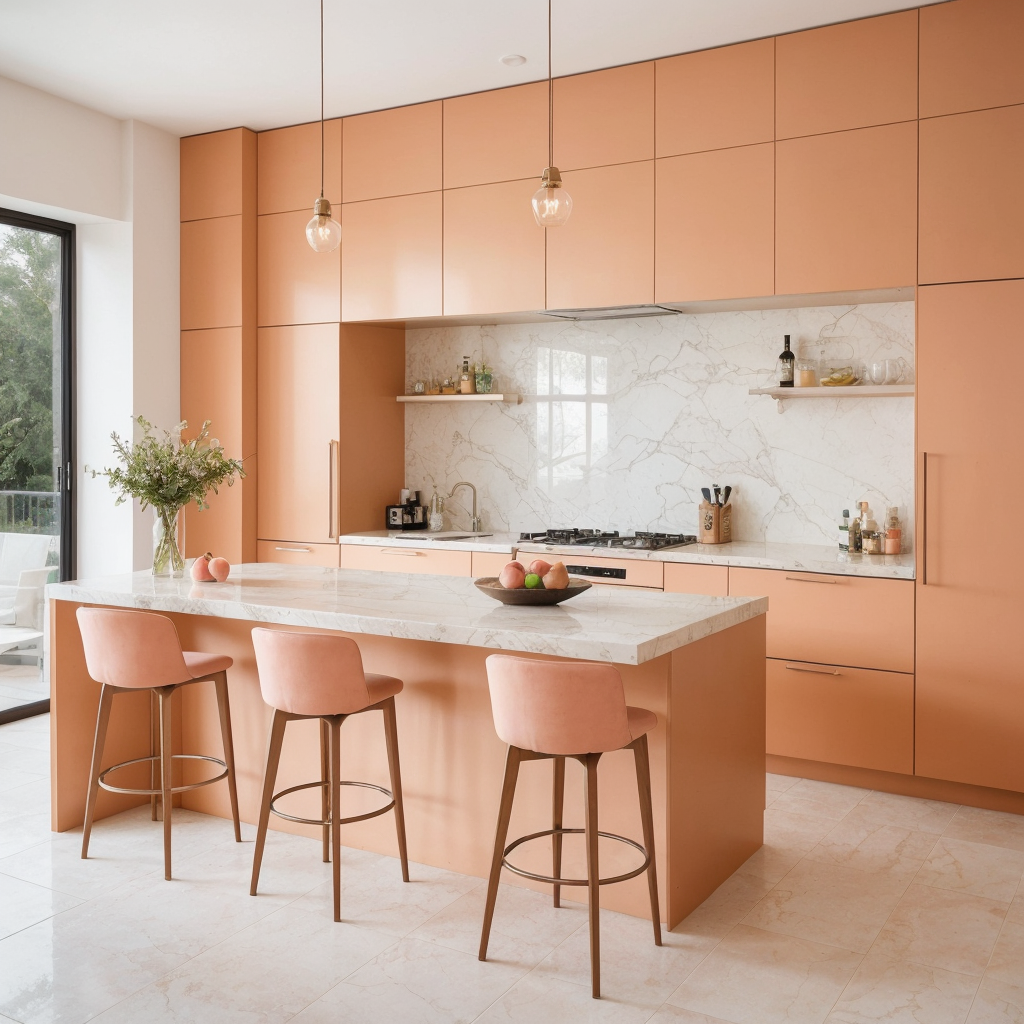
column 323, row 232
column 551, row 203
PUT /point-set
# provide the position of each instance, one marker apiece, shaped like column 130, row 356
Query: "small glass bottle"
column 787, row 365
column 855, row 538
column 436, row 520
column 844, row 531
column 467, row 383
column 893, row 542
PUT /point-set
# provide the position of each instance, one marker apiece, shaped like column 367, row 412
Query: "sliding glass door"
column 36, row 514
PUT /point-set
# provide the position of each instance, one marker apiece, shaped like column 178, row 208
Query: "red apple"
column 540, row 567
column 220, row 568
column 512, row 577
column 201, row 569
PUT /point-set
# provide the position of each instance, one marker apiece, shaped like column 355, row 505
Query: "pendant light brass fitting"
column 551, row 178
column 322, row 207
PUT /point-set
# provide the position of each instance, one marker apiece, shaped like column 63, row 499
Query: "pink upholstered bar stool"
column 127, row 651
column 320, row 675
column 577, row 709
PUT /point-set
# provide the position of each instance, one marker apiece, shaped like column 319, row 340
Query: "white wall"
column 118, row 181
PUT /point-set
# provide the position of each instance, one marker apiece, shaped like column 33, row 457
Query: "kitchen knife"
column 725, row 495
column 718, row 495
column 706, row 491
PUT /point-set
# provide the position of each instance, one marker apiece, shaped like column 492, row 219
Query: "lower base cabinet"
column 400, row 559
column 692, row 578
column 851, row 716
column 288, row 553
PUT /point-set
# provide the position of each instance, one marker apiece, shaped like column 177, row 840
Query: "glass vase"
column 167, row 557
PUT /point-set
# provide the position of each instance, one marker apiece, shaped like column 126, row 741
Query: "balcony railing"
column 29, row 512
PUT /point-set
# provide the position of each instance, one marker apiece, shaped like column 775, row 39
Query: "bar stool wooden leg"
column 325, row 789
column 336, row 810
column 593, row 875
column 274, row 743
column 153, row 746
column 643, row 780
column 224, row 708
column 557, row 802
column 508, row 792
column 391, row 736
column 166, row 768
column 102, row 720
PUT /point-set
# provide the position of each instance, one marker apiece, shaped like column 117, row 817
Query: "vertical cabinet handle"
column 924, row 519
column 333, row 516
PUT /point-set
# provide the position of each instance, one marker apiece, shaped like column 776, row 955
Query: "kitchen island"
column 697, row 662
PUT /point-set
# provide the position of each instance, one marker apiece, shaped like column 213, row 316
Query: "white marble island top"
column 613, row 624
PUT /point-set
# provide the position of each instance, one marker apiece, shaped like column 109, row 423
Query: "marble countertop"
column 497, row 543
column 612, row 624
column 753, row 555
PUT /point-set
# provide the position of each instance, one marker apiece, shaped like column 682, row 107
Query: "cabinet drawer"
column 836, row 620
column 629, row 572
column 297, row 554
column 396, row 559
column 488, row 563
column 852, row 716
column 687, row 578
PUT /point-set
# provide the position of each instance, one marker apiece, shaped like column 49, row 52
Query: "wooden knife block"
column 714, row 524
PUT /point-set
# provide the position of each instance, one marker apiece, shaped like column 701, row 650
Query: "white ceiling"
column 191, row 66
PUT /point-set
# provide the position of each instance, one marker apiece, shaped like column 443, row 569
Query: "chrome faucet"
column 475, row 526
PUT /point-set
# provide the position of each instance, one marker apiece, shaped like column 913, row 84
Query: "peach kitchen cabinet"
column 330, row 439
column 289, row 167
column 715, row 224
column 391, row 258
column 970, row 582
column 499, row 135
column 217, row 174
column 604, row 117
column 852, row 75
column 291, row 553
column 714, row 99
column 622, row 572
column 972, row 202
column 489, row 563
column 493, row 249
column 846, row 210
column 393, row 152
column 694, row 578
column 296, row 284
column 971, row 55
column 430, row 561
column 840, row 715
column 832, row 619
column 604, row 254
column 213, row 281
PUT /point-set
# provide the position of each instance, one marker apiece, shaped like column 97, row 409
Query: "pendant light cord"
column 551, row 99
column 322, row 95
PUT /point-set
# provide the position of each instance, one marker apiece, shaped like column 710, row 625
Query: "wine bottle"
column 787, row 366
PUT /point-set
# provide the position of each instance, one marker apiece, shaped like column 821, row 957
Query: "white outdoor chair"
column 18, row 552
column 21, row 625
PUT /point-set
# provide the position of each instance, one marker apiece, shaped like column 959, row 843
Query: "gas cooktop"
column 603, row 539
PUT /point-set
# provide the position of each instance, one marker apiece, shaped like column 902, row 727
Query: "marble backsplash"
column 623, row 421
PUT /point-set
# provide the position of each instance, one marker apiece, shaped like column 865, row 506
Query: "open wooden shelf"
column 852, row 391
column 416, row 399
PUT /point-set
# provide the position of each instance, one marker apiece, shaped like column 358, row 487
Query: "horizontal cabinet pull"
column 306, row 550
column 402, row 554
column 804, row 579
column 815, row 671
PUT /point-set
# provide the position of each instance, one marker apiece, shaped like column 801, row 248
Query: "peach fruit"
column 556, row 578
column 201, row 569
column 220, row 568
column 512, row 577
column 540, row 567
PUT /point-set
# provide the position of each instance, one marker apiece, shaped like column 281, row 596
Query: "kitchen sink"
column 457, row 536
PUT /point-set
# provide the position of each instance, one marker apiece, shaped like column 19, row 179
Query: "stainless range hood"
column 607, row 312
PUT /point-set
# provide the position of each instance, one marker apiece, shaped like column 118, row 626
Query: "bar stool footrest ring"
column 154, row 758
column 324, row 785
column 574, row 881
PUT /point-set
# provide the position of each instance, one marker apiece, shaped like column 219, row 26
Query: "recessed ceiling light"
column 513, row 60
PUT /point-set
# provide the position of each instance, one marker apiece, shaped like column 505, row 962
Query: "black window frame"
column 65, row 471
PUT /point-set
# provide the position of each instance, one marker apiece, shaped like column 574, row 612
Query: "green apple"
column 534, row 582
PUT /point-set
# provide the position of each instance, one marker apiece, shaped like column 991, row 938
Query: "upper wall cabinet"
column 499, row 135
column 212, row 273
column 213, row 173
column 972, row 55
column 846, row 210
column 604, row 255
column 296, row 284
column 604, row 117
column 715, row 219
column 479, row 275
column 715, row 98
column 972, row 199
column 392, row 152
column 391, row 258
column 844, row 76
column 289, row 167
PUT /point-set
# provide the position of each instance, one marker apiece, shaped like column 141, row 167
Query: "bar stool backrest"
column 310, row 673
column 571, row 707
column 125, row 647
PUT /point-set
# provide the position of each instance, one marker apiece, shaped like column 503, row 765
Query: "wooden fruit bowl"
column 490, row 586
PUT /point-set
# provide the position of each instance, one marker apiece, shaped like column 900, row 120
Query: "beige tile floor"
column 21, row 684
column 861, row 907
